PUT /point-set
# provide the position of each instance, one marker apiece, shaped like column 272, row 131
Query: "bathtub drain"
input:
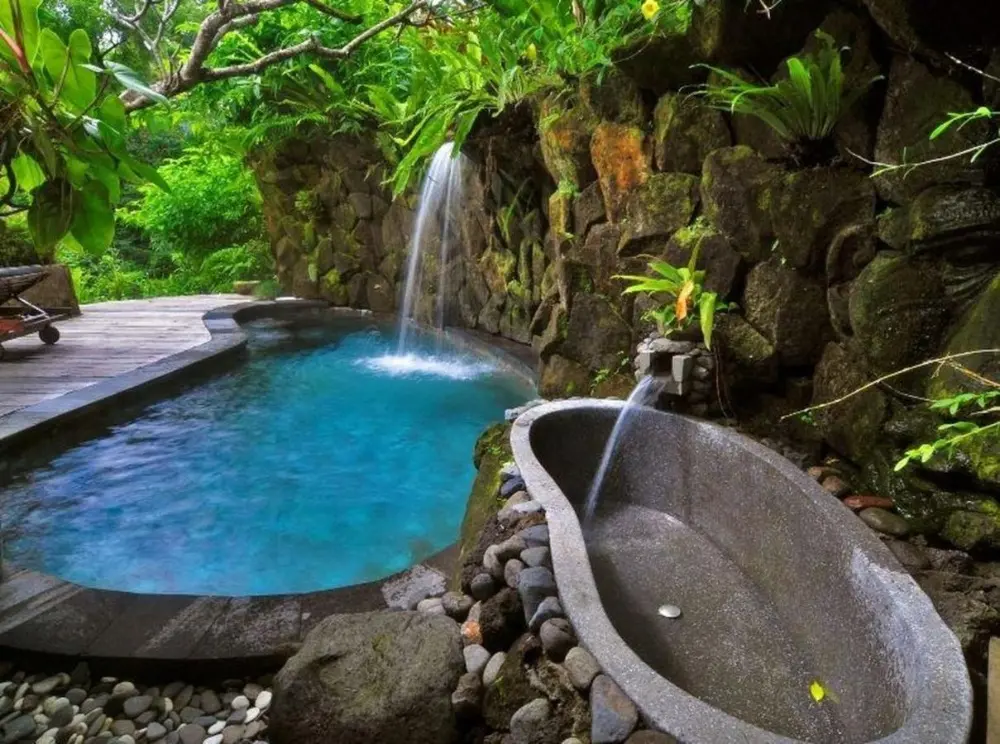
column 670, row 611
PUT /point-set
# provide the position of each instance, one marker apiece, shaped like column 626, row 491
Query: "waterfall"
column 441, row 193
column 637, row 398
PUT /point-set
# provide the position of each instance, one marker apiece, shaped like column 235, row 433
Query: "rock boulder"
column 361, row 678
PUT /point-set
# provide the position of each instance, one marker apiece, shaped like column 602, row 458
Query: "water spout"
column 641, row 395
column 441, row 193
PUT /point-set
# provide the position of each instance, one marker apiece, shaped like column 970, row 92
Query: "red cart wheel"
column 49, row 334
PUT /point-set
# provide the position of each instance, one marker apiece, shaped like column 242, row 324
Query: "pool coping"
column 47, row 616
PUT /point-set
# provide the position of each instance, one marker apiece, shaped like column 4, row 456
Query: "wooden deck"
column 107, row 340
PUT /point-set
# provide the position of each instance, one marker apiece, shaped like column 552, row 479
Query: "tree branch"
column 234, row 15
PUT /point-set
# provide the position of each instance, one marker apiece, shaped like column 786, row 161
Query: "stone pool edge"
column 47, row 616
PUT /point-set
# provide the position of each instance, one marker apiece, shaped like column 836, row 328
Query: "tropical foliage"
column 685, row 294
column 63, row 138
column 804, row 106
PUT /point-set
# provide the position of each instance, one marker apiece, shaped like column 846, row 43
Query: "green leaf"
column 93, row 223
column 148, row 173
column 50, row 213
column 28, row 13
column 28, row 172
column 129, row 79
column 706, row 313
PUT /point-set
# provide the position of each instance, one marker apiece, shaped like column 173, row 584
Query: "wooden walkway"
column 107, row 340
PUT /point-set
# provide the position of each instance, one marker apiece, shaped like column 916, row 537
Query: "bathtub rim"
column 938, row 709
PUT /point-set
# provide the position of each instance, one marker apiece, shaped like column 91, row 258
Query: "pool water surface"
column 323, row 461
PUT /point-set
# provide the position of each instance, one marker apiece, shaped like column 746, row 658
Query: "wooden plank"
column 107, row 340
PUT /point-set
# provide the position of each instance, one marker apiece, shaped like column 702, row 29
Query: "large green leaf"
column 129, row 79
column 27, row 13
column 68, row 68
column 50, row 213
column 28, row 172
column 93, row 223
column 143, row 171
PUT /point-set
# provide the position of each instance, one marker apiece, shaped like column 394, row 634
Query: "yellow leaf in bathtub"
column 817, row 691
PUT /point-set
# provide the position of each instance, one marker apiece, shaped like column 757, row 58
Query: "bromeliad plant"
column 62, row 132
column 684, row 286
column 805, row 106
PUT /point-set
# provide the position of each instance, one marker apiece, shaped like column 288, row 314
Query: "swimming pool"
column 323, row 461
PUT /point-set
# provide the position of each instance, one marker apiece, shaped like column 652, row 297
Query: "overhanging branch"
column 233, row 15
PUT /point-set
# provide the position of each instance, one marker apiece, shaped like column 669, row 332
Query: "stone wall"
column 339, row 235
column 837, row 276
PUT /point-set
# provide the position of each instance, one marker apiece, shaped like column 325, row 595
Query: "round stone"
column 431, row 606
column 210, row 702
column 476, row 658
column 252, row 690
column 240, row 702
column 122, row 727
column 511, row 571
column 216, row 728
column 529, row 719
column 136, row 706
column 124, row 688
column 191, row 734
column 252, row 714
column 581, row 667
column 217, row 739
column 155, row 731
column 264, row 700
column 492, row 669
column 557, row 638
column 883, row 520
column 482, row 586
column 456, row 605
column 76, row 696
column 47, row 685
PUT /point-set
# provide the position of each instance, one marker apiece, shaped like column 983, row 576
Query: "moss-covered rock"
column 563, row 378
column 979, row 328
column 595, row 333
column 736, row 188
column 657, row 209
column 973, row 531
column 622, row 159
column 716, row 256
column 744, row 346
column 685, row 131
column 611, row 95
column 898, row 311
column 916, row 102
column 960, row 223
column 850, row 427
column 811, row 209
column 789, row 309
column 561, row 215
column 564, row 131
column 588, row 210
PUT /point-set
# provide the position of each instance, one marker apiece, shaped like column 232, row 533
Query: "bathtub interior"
column 774, row 596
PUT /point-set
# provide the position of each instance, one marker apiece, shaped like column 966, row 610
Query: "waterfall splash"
column 638, row 397
column 441, row 193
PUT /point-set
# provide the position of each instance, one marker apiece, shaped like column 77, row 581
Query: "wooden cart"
column 18, row 317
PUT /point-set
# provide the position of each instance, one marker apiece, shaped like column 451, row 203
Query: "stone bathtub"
column 783, row 593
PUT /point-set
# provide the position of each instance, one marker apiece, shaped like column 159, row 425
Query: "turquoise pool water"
column 321, row 462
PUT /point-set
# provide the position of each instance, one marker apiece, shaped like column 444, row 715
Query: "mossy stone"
column 898, row 311
column 736, row 198
column 564, row 132
column 917, row 100
column 656, row 209
column 685, row 131
column 849, row 427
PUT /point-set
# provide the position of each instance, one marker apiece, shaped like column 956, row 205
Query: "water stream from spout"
column 638, row 397
column 441, row 194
